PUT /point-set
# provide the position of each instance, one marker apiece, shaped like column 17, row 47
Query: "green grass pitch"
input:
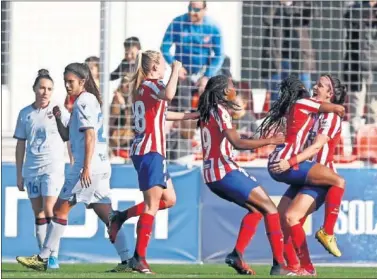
column 12, row 270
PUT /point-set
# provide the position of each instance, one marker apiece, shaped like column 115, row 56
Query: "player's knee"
column 171, row 201
column 269, row 207
column 341, row 182
column 291, row 218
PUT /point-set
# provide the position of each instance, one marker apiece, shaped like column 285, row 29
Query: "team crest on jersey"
column 49, row 114
column 325, row 124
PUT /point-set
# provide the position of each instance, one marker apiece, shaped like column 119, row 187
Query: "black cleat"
column 236, row 261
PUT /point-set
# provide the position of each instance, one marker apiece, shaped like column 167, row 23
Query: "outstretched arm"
column 176, row 116
column 248, row 144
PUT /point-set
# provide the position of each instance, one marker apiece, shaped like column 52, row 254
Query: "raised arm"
column 169, row 91
column 248, row 144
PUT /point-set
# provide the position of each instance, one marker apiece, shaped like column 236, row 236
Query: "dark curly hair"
column 213, row 95
column 291, row 90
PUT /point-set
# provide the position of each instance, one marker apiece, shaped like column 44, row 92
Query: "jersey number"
column 206, row 142
column 100, row 137
column 138, row 111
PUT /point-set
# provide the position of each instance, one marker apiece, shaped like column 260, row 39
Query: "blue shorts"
column 151, row 170
column 295, row 175
column 316, row 192
column 235, row 186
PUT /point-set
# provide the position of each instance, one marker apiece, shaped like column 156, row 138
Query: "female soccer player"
column 284, row 164
column 150, row 98
column 43, row 170
column 227, row 180
column 88, row 180
column 322, row 141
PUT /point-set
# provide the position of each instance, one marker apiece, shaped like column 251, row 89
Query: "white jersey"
column 87, row 114
column 45, row 148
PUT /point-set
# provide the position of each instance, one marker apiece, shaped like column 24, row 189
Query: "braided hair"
column 82, row 71
column 291, row 90
column 213, row 95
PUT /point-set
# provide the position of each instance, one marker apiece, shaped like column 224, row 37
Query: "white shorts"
column 98, row 192
column 45, row 185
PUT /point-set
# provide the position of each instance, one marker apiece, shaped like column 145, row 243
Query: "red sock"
column 138, row 209
column 333, row 201
column 299, row 242
column 247, row 230
column 275, row 236
column 144, row 231
column 289, row 251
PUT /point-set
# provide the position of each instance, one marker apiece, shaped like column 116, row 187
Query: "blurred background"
column 255, row 44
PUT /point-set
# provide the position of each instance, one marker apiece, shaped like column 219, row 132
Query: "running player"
column 150, row 98
column 230, row 182
column 283, row 163
column 322, row 141
column 43, row 170
column 88, row 180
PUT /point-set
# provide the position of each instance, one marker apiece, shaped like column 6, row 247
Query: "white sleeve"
column 87, row 116
column 20, row 131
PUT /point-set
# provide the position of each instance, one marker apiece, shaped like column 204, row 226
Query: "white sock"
column 54, row 233
column 40, row 232
column 55, row 250
column 120, row 245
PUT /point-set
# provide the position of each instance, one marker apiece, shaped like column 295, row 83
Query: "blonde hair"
column 144, row 59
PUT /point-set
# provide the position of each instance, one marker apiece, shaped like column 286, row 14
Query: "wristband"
column 292, row 161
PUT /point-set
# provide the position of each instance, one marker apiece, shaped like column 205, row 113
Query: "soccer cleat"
column 328, row 242
column 114, row 225
column 122, row 267
column 53, row 263
column 33, row 262
column 282, row 270
column 236, row 261
column 140, row 265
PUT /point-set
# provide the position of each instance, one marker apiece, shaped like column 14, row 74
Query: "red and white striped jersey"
column 149, row 116
column 329, row 124
column 299, row 122
column 217, row 150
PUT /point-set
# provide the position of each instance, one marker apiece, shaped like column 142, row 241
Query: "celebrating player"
column 43, row 170
column 149, row 106
column 227, row 180
column 89, row 178
column 322, row 142
column 285, row 165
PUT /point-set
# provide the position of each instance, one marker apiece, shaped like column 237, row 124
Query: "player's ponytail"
column 82, row 71
column 144, row 62
column 291, row 90
column 42, row 73
column 216, row 92
column 339, row 90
